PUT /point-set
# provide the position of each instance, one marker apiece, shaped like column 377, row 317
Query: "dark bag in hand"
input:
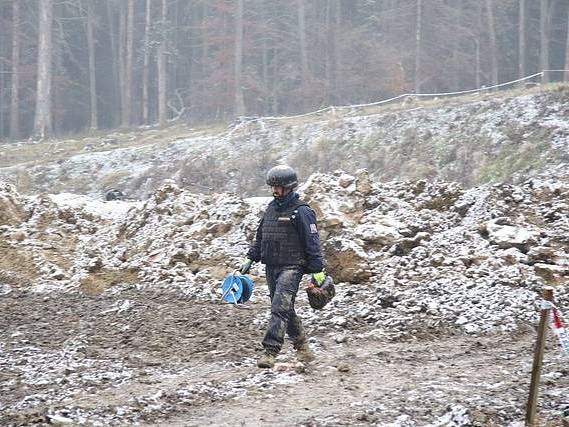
column 319, row 296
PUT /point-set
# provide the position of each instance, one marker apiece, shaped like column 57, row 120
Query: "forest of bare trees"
column 69, row 66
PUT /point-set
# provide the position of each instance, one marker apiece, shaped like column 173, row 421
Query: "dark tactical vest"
column 280, row 244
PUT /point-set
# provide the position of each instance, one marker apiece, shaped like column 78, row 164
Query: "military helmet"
column 282, row 175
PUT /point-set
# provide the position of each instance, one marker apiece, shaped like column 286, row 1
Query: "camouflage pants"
column 283, row 284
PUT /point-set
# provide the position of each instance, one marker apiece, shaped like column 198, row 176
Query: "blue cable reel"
column 236, row 289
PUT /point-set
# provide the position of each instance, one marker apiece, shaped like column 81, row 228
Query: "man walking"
column 287, row 242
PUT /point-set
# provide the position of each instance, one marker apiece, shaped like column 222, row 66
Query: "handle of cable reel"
column 233, row 287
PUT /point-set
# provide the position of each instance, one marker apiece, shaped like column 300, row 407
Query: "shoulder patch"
column 313, row 228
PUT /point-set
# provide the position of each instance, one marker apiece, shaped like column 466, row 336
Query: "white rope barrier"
column 395, row 98
column 463, row 92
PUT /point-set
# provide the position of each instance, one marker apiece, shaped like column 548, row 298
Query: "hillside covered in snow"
column 470, row 140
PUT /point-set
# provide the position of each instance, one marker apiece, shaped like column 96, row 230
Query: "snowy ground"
column 484, row 138
column 110, row 312
column 157, row 358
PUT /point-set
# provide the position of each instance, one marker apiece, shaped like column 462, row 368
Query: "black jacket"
column 304, row 223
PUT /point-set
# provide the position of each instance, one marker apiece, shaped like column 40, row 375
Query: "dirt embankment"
column 119, row 320
column 473, row 140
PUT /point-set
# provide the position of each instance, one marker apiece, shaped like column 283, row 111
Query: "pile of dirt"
column 10, row 209
column 420, row 249
column 110, row 312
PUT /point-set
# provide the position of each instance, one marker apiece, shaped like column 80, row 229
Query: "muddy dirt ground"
column 155, row 357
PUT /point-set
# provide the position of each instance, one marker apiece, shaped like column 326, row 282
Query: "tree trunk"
column 480, row 30
column 275, row 98
column 477, row 60
column 162, row 70
column 522, row 39
column 205, row 40
column 302, row 41
column 115, row 95
column 239, row 101
column 456, row 75
column 190, row 72
column 183, row 65
column 203, row 61
column 121, row 61
column 418, row 42
column 15, row 95
column 331, row 50
column 266, row 81
column 265, row 51
column 2, row 85
column 92, row 78
column 42, row 121
column 328, row 50
column 544, row 39
column 493, row 45
column 566, row 77
column 146, row 64
column 127, row 107
column 338, row 79
column 58, row 50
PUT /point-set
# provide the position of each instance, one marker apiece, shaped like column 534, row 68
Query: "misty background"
column 75, row 65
